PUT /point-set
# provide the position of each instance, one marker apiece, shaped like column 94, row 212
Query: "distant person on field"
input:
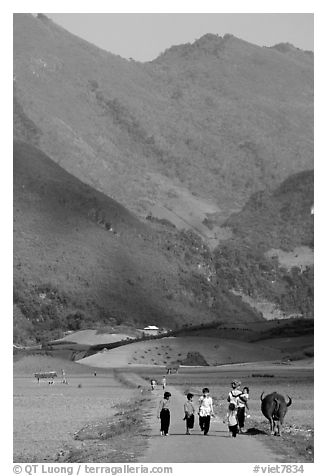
column 153, row 384
column 231, row 419
column 63, row 376
column 164, row 413
column 189, row 411
column 164, row 382
column 205, row 411
column 242, row 407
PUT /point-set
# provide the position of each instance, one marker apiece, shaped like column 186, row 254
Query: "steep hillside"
column 278, row 219
column 185, row 141
column 220, row 118
column 271, row 226
column 82, row 260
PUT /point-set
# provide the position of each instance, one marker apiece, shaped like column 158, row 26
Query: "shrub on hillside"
column 194, row 358
column 75, row 321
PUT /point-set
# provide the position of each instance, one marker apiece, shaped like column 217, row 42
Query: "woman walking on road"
column 164, row 413
column 234, row 393
column 205, row 411
column 239, row 399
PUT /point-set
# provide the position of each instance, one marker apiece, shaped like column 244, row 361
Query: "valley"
column 177, row 194
column 126, row 215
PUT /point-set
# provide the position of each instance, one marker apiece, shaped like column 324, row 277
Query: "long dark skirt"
column 241, row 416
column 165, row 420
column 189, row 422
column 233, row 430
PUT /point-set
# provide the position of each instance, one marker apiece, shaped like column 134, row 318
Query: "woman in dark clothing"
column 164, row 413
column 189, row 411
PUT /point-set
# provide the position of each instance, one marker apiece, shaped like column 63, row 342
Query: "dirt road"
column 216, row 447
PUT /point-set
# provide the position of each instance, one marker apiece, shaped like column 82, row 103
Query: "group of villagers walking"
column 235, row 418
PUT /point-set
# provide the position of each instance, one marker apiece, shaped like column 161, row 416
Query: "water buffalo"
column 274, row 408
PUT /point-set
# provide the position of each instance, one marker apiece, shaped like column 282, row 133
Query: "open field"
column 293, row 346
column 169, row 349
column 47, row 416
column 294, row 338
column 92, row 337
column 301, row 257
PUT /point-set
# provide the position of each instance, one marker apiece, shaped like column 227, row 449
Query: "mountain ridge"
column 280, row 219
column 215, row 44
column 197, row 124
column 206, row 132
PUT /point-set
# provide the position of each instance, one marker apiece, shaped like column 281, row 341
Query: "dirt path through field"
column 216, row 447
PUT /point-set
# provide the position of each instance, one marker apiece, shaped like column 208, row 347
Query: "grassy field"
column 301, row 256
column 170, row 349
column 46, row 417
column 92, row 337
column 223, row 344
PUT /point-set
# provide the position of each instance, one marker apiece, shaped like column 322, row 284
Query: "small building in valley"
column 151, row 330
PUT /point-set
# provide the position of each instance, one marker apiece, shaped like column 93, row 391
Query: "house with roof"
column 151, row 330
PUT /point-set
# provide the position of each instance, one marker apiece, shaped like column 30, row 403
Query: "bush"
column 194, row 358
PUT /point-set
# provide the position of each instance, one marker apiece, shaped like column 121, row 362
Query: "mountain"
column 83, row 260
column 220, row 118
column 269, row 258
column 296, row 53
column 127, row 175
column 280, row 218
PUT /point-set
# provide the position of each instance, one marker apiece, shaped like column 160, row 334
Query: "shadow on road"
column 254, row 431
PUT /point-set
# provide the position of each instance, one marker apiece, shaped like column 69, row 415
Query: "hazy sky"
column 143, row 36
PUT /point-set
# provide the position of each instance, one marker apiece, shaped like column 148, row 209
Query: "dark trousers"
column 204, row 422
column 233, row 430
column 189, row 422
column 165, row 420
column 241, row 416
